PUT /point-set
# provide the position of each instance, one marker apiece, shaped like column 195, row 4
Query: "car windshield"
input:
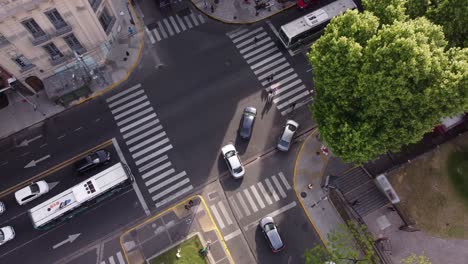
column 230, row 153
column 34, row 188
column 284, row 143
column 292, row 128
column 237, row 170
column 269, row 227
column 2, row 236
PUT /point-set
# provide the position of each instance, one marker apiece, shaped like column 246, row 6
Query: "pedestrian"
column 271, row 77
column 212, row 9
column 205, row 5
column 255, row 40
column 293, row 106
column 187, row 207
column 190, row 203
column 270, row 96
column 130, row 31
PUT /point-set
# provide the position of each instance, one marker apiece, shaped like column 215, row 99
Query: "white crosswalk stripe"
column 264, row 193
column 278, row 186
column 225, row 213
column 120, row 258
column 168, row 27
column 187, row 20
column 257, row 196
column 161, row 28
column 266, row 61
column 148, row 143
column 173, row 25
column 217, row 216
column 111, row 259
column 194, row 19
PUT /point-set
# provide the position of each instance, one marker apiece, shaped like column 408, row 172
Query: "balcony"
column 62, row 29
column 37, row 40
column 57, row 60
column 27, row 68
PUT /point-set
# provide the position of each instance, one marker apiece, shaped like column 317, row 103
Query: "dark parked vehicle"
column 93, row 160
column 247, row 122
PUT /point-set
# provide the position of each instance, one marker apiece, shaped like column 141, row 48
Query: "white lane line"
column 277, row 184
column 182, row 25
column 237, row 39
column 143, row 127
column 273, row 71
column 156, row 170
column 174, row 196
column 277, row 76
column 251, row 202
column 285, row 80
column 111, row 260
column 289, row 109
column 168, row 27
column 259, row 43
column 264, row 192
column 103, row 262
column 127, row 105
column 126, row 98
column 174, row 24
column 251, row 40
column 161, row 28
column 187, row 20
column 139, row 122
column 278, row 61
column 236, row 32
column 288, row 94
column 153, row 163
column 285, row 182
column 272, row 57
column 166, row 182
column 147, row 141
column 170, row 189
column 272, row 190
column 232, row 235
column 201, row 18
column 131, row 110
column 257, row 196
column 243, row 204
column 129, row 90
column 293, row 99
column 194, row 19
column 143, row 135
column 152, row 147
column 292, row 84
column 262, row 55
column 272, row 214
column 156, row 33
column 159, row 177
column 235, row 207
column 120, row 258
column 225, row 213
column 153, row 155
column 217, row 216
column 135, row 116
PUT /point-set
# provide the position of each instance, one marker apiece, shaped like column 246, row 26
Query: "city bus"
column 80, row 197
column 299, row 31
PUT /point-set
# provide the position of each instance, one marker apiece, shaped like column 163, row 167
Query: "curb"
column 294, row 185
column 239, row 23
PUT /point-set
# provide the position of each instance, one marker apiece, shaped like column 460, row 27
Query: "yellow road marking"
column 52, row 170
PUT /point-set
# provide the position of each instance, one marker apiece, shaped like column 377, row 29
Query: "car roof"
column 274, row 238
column 227, row 148
column 234, row 161
column 251, row 110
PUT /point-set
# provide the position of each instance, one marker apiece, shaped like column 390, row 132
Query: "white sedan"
column 233, row 161
column 31, row 192
column 284, row 142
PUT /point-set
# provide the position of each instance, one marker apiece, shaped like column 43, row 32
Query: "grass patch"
column 434, row 189
column 189, row 253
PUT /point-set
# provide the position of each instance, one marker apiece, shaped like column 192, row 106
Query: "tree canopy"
column 381, row 86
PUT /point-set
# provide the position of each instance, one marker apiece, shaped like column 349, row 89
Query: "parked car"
column 286, row 137
column 247, row 122
column 93, row 160
column 270, row 230
column 31, row 192
column 7, row 233
column 233, row 161
column 2, row 208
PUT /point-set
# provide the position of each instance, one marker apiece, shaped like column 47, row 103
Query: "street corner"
column 185, row 230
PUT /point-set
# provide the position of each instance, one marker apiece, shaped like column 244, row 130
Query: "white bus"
column 81, row 196
column 311, row 25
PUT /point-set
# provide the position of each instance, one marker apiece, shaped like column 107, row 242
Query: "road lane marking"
column 120, row 258
column 131, row 103
column 225, row 213
column 188, row 22
column 235, row 207
column 148, row 33
column 147, row 141
column 257, row 196
column 285, row 182
column 265, row 194
column 170, row 189
column 139, row 122
column 232, row 235
column 153, row 163
column 125, row 98
column 243, row 204
column 272, row 214
column 152, row 147
column 201, row 18
column 161, row 28
column 155, row 170
column 153, row 155
column 237, row 39
column 181, row 23
column 251, row 41
column 277, row 184
column 135, row 116
column 143, row 135
column 272, row 57
column 166, row 182
column 175, row 195
column 78, row 129
column 294, row 99
column 277, row 75
column 174, row 24
column 272, row 190
column 262, row 55
column 251, row 202
column 217, row 216
column 168, row 27
column 126, row 91
column 141, row 128
column 273, row 71
column 194, row 19
column 159, row 177
column 278, row 61
column 236, row 33
column 131, row 110
column 111, row 260
column 267, row 39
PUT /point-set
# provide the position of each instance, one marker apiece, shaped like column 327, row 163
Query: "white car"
column 233, row 161
column 7, row 233
column 31, row 192
column 2, row 208
column 286, row 137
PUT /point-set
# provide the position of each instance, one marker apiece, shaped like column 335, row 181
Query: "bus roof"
column 317, row 17
column 75, row 196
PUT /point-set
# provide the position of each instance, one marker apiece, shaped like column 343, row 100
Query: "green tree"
column 413, row 259
column 380, row 87
column 342, row 246
column 387, row 11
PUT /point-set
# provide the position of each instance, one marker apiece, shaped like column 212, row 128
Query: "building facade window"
column 53, row 51
column 95, row 4
column 106, row 20
column 3, row 41
column 33, row 28
column 74, row 44
column 56, row 19
column 23, row 62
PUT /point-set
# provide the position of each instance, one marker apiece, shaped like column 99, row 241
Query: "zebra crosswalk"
column 271, row 68
column 148, row 144
column 111, row 260
column 251, row 199
column 173, row 25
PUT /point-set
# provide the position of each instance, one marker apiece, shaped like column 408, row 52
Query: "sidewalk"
column 166, row 231
column 20, row 114
column 241, row 11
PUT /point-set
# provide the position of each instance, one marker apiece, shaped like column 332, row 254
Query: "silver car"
column 233, row 161
column 284, row 142
column 270, row 230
